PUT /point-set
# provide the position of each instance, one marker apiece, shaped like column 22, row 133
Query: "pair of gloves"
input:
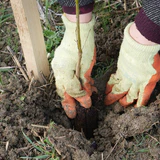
column 137, row 73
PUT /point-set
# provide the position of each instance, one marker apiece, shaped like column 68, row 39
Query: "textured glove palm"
column 137, row 74
column 64, row 66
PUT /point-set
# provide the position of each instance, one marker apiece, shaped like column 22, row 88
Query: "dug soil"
column 30, row 108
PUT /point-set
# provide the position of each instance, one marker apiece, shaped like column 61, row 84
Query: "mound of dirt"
column 114, row 136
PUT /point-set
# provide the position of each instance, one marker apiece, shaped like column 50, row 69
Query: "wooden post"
column 31, row 37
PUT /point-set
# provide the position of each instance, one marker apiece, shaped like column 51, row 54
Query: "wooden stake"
column 31, row 37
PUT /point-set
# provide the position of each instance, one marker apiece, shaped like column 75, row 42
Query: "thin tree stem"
column 78, row 41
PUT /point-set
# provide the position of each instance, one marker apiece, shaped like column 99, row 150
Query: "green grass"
column 1, row 81
column 53, row 33
column 44, row 147
column 12, row 40
column 4, row 15
column 53, row 39
column 8, row 30
column 140, row 139
column 140, row 145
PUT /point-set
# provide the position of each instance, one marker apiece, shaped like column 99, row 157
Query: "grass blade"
column 6, row 69
column 144, row 150
column 41, row 157
column 30, row 141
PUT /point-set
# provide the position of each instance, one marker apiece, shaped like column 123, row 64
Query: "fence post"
column 31, row 37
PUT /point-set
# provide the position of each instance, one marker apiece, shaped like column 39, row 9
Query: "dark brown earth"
column 122, row 133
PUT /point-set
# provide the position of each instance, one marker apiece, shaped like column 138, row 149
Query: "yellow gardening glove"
column 64, row 63
column 137, row 74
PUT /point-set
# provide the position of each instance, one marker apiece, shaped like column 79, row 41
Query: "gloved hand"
column 137, row 73
column 69, row 88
